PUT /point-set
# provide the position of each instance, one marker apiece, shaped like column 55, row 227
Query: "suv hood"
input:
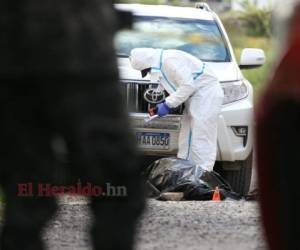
column 227, row 71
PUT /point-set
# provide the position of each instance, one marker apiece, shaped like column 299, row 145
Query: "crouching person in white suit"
column 190, row 81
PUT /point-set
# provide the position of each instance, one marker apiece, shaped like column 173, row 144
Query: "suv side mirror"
column 252, row 58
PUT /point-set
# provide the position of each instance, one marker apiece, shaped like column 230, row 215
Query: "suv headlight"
column 234, row 91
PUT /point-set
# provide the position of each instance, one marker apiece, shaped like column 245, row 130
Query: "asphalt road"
column 186, row 225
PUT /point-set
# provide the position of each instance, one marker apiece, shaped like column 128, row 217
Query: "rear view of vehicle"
column 199, row 32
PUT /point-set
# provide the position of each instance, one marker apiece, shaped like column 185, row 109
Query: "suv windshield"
column 200, row 38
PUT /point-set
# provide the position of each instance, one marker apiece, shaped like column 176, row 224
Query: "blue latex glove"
column 162, row 109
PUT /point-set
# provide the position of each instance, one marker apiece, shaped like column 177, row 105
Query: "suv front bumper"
column 231, row 147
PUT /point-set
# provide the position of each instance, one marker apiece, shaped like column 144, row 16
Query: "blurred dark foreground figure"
column 59, row 96
column 278, row 138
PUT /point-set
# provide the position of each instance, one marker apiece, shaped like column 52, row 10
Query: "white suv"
column 199, row 32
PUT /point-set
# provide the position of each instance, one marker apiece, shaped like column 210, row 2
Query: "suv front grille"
column 133, row 93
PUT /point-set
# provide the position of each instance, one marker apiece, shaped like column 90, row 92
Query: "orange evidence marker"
column 216, row 195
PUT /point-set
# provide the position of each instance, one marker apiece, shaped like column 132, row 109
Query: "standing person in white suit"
column 190, row 81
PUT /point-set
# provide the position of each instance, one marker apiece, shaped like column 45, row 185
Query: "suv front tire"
column 238, row 174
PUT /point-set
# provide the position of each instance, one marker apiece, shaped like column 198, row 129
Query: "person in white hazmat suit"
column 190, row 81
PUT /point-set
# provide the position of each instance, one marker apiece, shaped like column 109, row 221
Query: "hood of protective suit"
column 143, row 58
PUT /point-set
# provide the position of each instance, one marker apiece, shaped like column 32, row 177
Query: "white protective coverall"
column 187, row 80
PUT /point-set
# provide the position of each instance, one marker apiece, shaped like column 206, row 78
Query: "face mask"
column 155, row 76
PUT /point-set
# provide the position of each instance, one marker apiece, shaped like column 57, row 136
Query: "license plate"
column 148, row 140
